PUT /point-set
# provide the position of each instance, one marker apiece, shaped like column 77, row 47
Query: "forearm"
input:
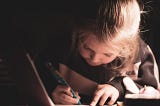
column 78, row 82
column 147, row 73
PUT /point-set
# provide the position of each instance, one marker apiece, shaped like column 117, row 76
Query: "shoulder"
column 144, row 51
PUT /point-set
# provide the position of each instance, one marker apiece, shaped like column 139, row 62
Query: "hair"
column 117, row 22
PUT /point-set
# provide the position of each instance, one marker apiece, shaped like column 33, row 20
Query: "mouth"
column 92, row 63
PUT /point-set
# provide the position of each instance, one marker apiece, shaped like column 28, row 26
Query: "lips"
column 92, row 63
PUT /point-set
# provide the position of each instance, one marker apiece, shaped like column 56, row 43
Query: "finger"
column 65, row 99
column 95, row 99
column 103, row 99
column 60, row 94
column 68, row 91
column 112, row 100
column 61, row 88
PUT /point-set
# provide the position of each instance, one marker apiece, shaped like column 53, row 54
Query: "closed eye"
column 108, row 54
column 87, row 48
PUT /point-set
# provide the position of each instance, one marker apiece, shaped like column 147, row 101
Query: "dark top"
column 58, row 52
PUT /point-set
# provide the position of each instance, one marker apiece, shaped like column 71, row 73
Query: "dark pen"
column 60, row 79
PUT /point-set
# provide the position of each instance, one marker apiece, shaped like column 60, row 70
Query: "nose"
column 95, row 57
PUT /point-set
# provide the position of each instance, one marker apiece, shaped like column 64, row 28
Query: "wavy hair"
column 117, row 24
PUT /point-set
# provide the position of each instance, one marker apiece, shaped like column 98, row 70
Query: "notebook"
column 27, row 78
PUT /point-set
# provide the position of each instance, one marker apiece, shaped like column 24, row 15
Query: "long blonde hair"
column 117, row 23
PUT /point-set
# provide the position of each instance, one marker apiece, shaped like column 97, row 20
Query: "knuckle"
column 97, row 95
column 106, row 94
column 99, row 86
column 64, row 96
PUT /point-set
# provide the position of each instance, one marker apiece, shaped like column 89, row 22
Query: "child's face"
column 94, row 52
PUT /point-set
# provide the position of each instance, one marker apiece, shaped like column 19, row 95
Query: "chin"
column 93, row 64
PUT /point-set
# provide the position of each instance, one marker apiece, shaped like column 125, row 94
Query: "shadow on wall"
column 35, row 24
column 35, row 32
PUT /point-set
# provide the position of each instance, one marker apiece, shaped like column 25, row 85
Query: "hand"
column 63, row 95
column 104, row 92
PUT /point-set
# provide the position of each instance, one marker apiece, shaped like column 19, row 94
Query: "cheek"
column 84, row 53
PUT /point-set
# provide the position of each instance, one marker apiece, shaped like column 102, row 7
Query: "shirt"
column 58, row 51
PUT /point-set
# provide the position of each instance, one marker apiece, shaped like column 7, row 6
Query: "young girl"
column 98, row 55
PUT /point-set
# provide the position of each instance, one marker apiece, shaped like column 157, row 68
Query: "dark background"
column 32, row 24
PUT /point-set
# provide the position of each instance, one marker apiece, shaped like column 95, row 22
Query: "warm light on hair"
column 117, row 25
column 122, row 33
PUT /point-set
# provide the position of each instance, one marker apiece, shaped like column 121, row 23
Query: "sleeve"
column 147, row 70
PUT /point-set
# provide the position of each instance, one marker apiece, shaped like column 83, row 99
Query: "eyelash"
column 91, row 50
column 107, row 55
column 86, row 47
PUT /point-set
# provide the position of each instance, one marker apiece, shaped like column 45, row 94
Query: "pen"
column 60, row 79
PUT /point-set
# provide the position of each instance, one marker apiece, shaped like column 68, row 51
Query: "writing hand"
column 63, row 95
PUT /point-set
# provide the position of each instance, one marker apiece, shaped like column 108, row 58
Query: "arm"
column 76, row 81
column 59, row 92
column 145, row 72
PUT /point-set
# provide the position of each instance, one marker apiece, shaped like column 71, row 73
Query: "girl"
column 100, row 53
